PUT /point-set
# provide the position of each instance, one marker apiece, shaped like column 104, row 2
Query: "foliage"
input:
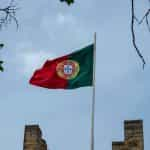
column 68, row 1
column 1, row 62
column 7, row 15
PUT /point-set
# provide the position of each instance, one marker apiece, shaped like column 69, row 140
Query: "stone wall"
column 33, row 138
column 133, row 136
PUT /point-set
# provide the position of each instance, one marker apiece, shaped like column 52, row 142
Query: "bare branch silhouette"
column 8, row 14
column 133, row 19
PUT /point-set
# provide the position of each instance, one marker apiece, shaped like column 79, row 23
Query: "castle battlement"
column 133, row 136
column 33, row 138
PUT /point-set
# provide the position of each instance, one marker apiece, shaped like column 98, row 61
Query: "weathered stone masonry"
column 133, row 136
column 33, row 138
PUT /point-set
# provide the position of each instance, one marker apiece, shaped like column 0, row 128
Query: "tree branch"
column 133, row 35
column 147, row 22
column 8, row 14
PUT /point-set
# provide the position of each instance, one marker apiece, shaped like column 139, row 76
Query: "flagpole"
column 93, row 96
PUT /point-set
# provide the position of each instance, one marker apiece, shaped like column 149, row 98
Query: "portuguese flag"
column 67, row 72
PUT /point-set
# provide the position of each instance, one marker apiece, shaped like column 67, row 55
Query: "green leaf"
column 68, row 1
column 1, row 45
column 1, row 68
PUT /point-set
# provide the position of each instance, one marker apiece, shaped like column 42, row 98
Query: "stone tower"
column 133, row 136
column 33, row 138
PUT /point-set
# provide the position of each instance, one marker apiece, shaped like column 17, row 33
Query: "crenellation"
column 33, row 138
column 133, row 136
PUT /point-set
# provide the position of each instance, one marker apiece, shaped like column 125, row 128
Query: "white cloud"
column 65, row 18
column 58, row 21
column 66, row 28
column 31, row 58
column 60, row 18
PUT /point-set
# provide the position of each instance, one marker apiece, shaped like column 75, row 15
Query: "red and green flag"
column 67, row 72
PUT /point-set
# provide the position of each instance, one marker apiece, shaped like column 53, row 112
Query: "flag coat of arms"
column 67, row 72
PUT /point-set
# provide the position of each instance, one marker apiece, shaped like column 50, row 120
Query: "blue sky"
column 48, row 29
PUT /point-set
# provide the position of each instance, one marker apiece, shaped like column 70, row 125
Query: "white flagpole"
column 93, row 96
